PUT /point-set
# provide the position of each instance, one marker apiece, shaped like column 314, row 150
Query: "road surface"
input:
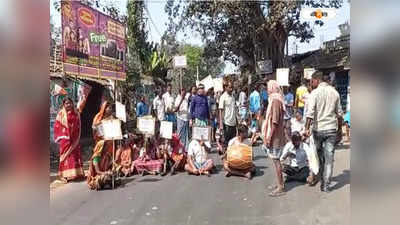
column 191, row 200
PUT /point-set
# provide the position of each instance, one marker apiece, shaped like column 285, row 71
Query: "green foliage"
column 244, row 29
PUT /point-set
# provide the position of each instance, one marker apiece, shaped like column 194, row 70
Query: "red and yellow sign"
column 86, row 17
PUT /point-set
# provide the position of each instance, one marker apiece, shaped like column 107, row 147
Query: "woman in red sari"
column 67, row 133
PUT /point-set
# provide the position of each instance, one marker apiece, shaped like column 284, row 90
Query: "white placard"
column 146, row 125
column 166, row 129
column 308, row 72
column 218, row 84
column 180, row 61
column 264, row 66
column 120, row 111
column 208, row 82
column 112, row 129
column 282, row 76
column 201, row 133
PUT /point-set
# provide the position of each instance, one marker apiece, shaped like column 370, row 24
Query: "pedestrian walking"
column 325, row 112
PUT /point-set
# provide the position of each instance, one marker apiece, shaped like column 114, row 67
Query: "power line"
column 151, row 19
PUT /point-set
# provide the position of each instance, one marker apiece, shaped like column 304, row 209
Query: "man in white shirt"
column 297, row 124
column 182, row 110
column 227, row 107
column 169, row 104
column 198, row 162
column 159, row 106
column 325, row 112
column 296, row 151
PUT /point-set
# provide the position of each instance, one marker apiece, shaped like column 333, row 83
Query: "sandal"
column 277, row 193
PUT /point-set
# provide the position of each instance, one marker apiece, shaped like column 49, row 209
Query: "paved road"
column 183, row 199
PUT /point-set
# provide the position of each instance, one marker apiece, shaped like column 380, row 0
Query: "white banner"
column 282, row 76
column 180, row 61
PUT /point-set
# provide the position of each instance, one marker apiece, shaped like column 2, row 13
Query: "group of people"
column 289, row 126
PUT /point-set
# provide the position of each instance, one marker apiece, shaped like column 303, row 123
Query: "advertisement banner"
column 94, row 44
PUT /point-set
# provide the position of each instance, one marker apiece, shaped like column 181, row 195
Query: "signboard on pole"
column 94, row 43
column 146, row 125
column 308, row 72
column 264, row 66
column 180, row 61
column 282, row 76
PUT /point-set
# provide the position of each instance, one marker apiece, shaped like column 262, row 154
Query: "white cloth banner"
column 282, row 76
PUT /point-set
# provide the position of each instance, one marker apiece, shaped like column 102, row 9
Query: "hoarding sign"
column 94, row 44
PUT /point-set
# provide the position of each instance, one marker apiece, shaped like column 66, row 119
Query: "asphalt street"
column 192, row 200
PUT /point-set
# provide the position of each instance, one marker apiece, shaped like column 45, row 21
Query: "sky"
column 328, row 31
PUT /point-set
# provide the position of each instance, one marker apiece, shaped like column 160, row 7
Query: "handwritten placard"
column 112, row 129
column 218, row 84
column 166, row 129
column 282, row 76
column 201, row 133
column 308, row 72
column 146, row 125
column 120, row 111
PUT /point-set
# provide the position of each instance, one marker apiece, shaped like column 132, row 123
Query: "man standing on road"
column 325, row 111
column 182, row 110
column 169, row 104
column 159, row 108
column 274, row 132
column 300, row 92
column 227, row 106
column 199, row 108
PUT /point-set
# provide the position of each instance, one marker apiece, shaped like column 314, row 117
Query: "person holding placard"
column 150, row 159
column 173, row 151
column 100, row 163
column 198, row 162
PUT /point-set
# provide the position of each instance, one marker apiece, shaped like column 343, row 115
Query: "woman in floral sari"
column 100, row 164
column 67, row 133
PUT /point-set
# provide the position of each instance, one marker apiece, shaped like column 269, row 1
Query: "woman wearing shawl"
column 100, row 164
column 274, row 129
column 67, row 133
column 174, row 151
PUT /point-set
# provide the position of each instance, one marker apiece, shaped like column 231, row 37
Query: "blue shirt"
column 141, row 109
column 289, row 98
column 199, row 107
column 264, row 95
column 255, row 102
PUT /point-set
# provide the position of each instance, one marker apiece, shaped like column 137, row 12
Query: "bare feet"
column 228, row 174
column 277, row 192
column 248, row 175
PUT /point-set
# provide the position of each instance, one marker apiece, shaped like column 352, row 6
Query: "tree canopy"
column 245, row 29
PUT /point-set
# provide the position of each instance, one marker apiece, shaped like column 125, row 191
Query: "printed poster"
column 94, row 44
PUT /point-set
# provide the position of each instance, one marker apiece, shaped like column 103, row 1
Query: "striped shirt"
column 324, row 107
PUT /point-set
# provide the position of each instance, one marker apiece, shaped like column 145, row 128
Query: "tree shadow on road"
column 342, row 180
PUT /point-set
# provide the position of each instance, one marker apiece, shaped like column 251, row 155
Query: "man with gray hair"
column 325, row 112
